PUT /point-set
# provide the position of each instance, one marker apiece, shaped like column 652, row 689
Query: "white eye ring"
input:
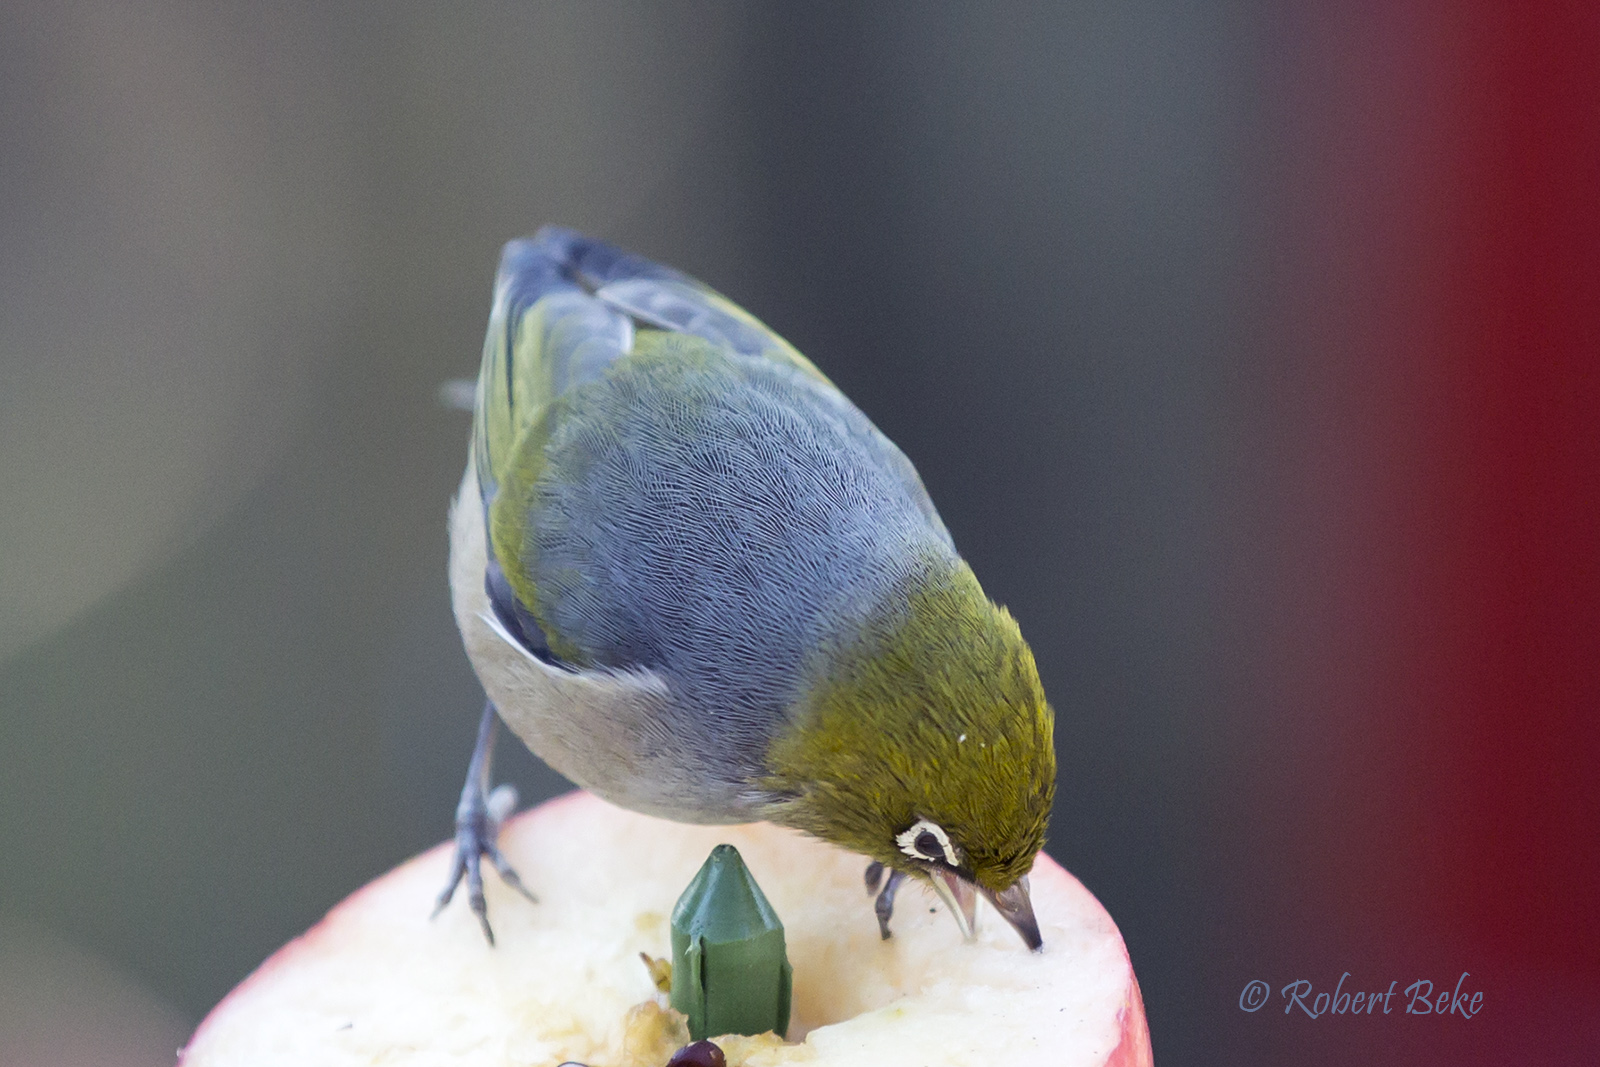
column 914, row 843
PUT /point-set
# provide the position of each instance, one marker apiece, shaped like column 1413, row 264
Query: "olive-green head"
column 923, row 740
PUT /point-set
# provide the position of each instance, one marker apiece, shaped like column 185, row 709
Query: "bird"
column 696, row 580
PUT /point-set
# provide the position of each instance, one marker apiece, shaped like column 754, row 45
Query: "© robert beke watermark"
column 1418, row 998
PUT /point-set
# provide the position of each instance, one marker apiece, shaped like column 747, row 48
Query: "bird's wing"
column 546, row 333
column 566, row 307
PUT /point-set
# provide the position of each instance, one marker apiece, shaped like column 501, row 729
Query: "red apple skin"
column 1132, row 1049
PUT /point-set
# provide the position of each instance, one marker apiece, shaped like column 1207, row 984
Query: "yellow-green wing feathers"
column 686, row 306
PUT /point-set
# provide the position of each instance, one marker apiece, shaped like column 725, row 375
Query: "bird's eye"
column 926, row 840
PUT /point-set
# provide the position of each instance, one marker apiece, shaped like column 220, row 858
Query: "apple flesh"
column 377, row 982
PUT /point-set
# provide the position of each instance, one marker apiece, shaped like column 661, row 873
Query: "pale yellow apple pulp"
column 377, row 983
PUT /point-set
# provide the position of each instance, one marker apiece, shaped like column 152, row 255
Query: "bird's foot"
column 884, row 905
column 478, row 819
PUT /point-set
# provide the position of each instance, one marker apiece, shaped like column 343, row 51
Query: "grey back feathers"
column 709, row 508
column 714, row 523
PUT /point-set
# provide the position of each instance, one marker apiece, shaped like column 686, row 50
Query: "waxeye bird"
column 695, row 579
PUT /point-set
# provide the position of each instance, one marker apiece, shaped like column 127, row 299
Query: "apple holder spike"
column 730, row 966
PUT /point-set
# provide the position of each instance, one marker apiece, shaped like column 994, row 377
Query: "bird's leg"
column 884, row 905
column 873, row 876
column 478, row 819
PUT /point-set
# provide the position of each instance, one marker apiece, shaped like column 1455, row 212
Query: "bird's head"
column 924, row 741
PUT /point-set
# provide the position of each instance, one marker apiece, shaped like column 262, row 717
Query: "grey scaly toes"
column 478, row 819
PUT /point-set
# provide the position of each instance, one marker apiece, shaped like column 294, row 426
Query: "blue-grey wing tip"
column 559, row 252
column 529, row 269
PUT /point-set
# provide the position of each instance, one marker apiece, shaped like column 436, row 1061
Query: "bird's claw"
column 884, row 905
column 478, row 819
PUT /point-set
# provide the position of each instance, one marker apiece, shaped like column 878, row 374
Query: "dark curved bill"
column 1017, row 908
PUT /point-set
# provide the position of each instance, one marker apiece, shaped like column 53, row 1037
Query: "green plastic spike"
column 730, row 967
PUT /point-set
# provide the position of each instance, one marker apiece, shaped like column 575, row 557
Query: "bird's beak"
column 961, row 898
column 1017, row 908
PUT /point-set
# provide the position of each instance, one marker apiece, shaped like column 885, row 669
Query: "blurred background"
column 1251, row 352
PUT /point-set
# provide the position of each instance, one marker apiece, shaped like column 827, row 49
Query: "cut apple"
column 377, row 983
